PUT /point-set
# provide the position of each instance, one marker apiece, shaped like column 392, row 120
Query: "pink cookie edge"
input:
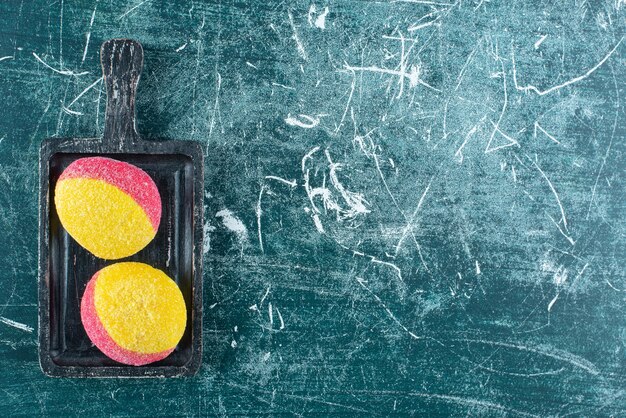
column 122, row 175
column 101, row 339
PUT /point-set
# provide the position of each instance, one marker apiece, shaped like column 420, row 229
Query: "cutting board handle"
column 122, row 60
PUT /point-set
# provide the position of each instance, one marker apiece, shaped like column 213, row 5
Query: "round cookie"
column 135, row 314
column 111, row 208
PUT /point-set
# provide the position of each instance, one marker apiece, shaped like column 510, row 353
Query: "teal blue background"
column 469, row 252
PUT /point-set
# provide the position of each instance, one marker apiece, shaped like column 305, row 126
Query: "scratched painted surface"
column 412, row 206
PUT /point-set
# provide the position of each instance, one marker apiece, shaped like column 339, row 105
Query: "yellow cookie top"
column 140, row 307
column 102, row 218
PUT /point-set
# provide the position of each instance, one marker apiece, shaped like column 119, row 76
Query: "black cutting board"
column 65, row 267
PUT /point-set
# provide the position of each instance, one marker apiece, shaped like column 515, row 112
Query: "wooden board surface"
column 412, row 207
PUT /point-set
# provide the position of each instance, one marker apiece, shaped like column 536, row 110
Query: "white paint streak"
column 259, row 212
column 296, row 38
column 270, row 312
column 320, row 22
column 320, row 19
column 427, row 2
column 413, row 75
column 568, row 82
column 386, row 263
column 560, row 276
column 318, row 223
column 62, row 72
column 391, row 315
column 282, row 86
column 496, row 125
column 540, row 41
column 470, row 133
column 207, row 228
column 512, row 142
column 459, row 79
column 469, row 402
column 543, row 350
column 216, row 104
column 579, row 275
column 70, row 112
column 267, row 292
column 556, row 195
column 345, row 112
column 537, row 126
column 356, row 203
column 611, row 286
column 410, row 225
column 421, row 25
column 61, row 36
column 305, row 174
column 568, row 237
column 291, row 183
column 280, row 318
column 608, row 148
column 16, row 324
column 88, row 35
column 132, row 9
column 232, row 223
column 302, row 121
column 82, row 93
column 551, row 304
